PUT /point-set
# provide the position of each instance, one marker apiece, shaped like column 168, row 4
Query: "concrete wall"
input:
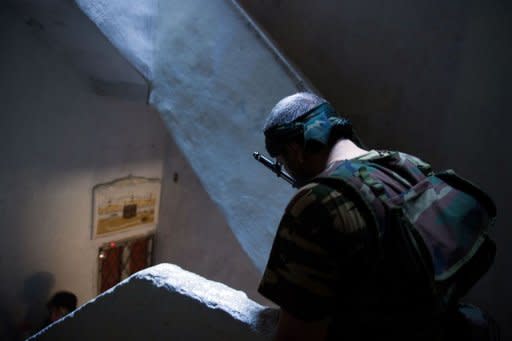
column 194, row 233
column 427, row 77
column 213, row 79
column 73, row 116
column 166, row 302
column 59, row 139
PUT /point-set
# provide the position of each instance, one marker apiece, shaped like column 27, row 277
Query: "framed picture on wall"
column 124, row 204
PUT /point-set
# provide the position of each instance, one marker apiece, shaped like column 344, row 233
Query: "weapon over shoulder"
column 275, row 167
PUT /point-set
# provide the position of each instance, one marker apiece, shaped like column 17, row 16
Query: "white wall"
column 58, row 140
column 194, row 234
column 72, row 116
column 213, row 79
column 166, row 302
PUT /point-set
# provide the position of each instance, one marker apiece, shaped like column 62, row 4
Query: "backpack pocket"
column 451, row 216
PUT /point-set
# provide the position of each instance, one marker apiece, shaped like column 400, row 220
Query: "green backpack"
column 432, row 233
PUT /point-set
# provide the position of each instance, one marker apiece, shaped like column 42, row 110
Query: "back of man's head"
column 291, row 108
column 308, row 120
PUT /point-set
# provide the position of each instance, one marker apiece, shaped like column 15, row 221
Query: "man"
column 323, row 269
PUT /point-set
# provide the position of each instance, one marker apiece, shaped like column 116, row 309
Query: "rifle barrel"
column 275, row 167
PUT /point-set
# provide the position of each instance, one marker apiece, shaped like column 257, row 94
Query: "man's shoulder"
column 413, row 158
column 310, row 197
column 376, row 154
column 386, row 158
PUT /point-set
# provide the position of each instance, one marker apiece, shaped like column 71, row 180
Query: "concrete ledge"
column 166, row 302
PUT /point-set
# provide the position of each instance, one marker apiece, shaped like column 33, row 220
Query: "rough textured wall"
column 193, row 232
column 166, row 302
column 428, row 77
column 213, row 79
column 213, row 82
column 74, row 114
column 59, row 139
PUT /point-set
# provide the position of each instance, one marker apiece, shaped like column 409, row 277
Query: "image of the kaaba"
column 125, row 204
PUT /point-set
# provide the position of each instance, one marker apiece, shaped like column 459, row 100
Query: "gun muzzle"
column 275, row 167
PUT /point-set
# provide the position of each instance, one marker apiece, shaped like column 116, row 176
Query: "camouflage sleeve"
column 315, row 255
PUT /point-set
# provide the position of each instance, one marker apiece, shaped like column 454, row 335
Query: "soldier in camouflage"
column 323, row 250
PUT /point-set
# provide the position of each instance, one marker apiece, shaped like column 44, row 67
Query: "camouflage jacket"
column 322, row 255
column 320, row 247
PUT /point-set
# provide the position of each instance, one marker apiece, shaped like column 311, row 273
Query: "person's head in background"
column 61, row 304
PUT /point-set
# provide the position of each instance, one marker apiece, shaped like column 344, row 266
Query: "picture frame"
column 125, row 204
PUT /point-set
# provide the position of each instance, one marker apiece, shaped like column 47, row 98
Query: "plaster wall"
column 430, row 78
column 213, row 79
column 74, row 114
column 194, row 234
column 59, row 139
column 166, row 302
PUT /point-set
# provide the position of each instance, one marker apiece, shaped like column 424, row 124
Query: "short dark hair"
column 291, row 108
column 63, row 299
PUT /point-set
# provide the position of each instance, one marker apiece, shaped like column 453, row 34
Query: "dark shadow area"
column 35, row 295
column 8, row 329
column 426, row 77
column 25, row 313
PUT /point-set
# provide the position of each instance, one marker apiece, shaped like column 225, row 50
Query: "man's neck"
column 345, row 150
